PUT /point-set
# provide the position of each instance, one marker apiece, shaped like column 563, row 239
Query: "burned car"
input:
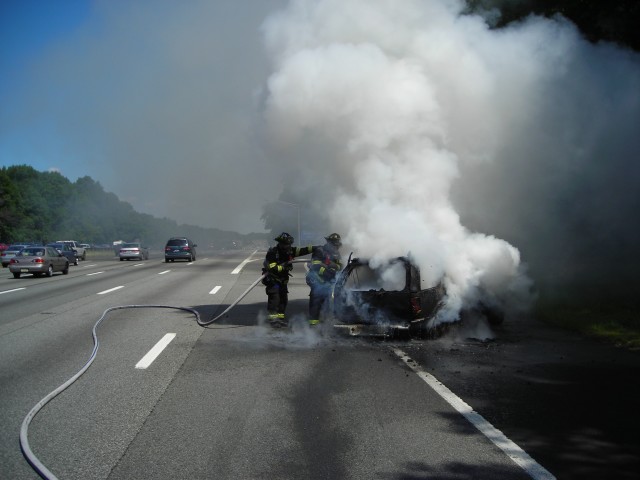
column 389, row 300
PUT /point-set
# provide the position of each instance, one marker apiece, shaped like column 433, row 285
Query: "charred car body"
column 393, row 300
column 389, row 300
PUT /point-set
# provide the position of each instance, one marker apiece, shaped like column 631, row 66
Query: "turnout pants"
column 277, row 299
column 317, row 299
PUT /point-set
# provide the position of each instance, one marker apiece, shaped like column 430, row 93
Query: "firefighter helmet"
column 334, row 239
column 285, row 238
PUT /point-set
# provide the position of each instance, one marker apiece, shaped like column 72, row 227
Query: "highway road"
column 166, row 398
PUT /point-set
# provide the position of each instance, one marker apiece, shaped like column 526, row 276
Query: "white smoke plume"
column 400, row 94
column 414, row 128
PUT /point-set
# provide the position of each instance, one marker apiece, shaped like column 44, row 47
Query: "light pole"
column 298, row 211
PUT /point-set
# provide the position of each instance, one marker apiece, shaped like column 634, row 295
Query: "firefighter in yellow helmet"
column 326, row 262
column 277, row 267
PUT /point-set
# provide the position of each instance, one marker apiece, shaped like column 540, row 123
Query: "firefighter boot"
column 274, row 320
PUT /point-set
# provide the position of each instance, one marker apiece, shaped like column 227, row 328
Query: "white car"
column 133, row 250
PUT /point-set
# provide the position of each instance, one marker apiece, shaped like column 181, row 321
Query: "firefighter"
column 277, row 267
column 326, row 262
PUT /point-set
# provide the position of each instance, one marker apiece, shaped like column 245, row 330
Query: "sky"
column 503, row 161
column 156, row 100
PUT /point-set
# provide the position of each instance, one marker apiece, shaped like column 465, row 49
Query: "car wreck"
column 393, row 300
column 390, row 300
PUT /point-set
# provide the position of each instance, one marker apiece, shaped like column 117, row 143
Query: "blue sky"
column 29, row 29
column 123, row 90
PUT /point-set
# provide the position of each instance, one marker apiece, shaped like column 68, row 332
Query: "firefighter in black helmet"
column 277, row 267
column 326, row 262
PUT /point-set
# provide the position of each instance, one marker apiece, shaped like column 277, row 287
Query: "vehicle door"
column 56, row 258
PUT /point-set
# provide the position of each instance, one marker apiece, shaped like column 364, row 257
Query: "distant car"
column 66, row 250
column 133, row 250
column 81, row 252
column 38, row 261
column 388, row 300
column 180, row 248
column 10, row 252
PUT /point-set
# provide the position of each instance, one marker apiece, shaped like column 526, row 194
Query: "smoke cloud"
column 490, row 156
column 433, row 135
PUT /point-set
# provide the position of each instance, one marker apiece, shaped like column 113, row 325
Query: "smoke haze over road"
column 414, row 127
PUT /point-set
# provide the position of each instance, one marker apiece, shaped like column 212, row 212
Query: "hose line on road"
column 35, row 463
column 244, row 294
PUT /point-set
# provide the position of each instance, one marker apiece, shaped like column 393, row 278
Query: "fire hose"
column 33, row 461
column 244, row 294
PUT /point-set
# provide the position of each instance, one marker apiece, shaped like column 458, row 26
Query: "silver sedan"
column 38, row 261
column 133, row 250
column 9, row 253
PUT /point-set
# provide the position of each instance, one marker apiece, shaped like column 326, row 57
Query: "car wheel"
column 84, row 256
column 50, row 271
column 16, row 274
column 166, row 260
column 65, row 271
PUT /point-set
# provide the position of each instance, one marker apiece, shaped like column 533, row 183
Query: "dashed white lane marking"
column 138, row 264
column 111, row 290
column 166, row 271
column 215, row 290
column 155, row 351
column 12, row 290
column 94, row 273
column 91, row 265
column 513, row 451
column 241, row 266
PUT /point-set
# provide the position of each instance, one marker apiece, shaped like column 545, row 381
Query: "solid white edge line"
column 215, row 289
column 513, row 451
column 157, row 349
column 111, row 290
column 241, row 266
column 13, row 290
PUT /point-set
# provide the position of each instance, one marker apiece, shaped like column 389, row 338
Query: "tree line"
column 43, row 207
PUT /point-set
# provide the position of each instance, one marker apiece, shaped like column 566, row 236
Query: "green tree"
column 45, row 206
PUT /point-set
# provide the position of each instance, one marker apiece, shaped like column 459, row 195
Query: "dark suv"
column 389, row 300
column 180, row 248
